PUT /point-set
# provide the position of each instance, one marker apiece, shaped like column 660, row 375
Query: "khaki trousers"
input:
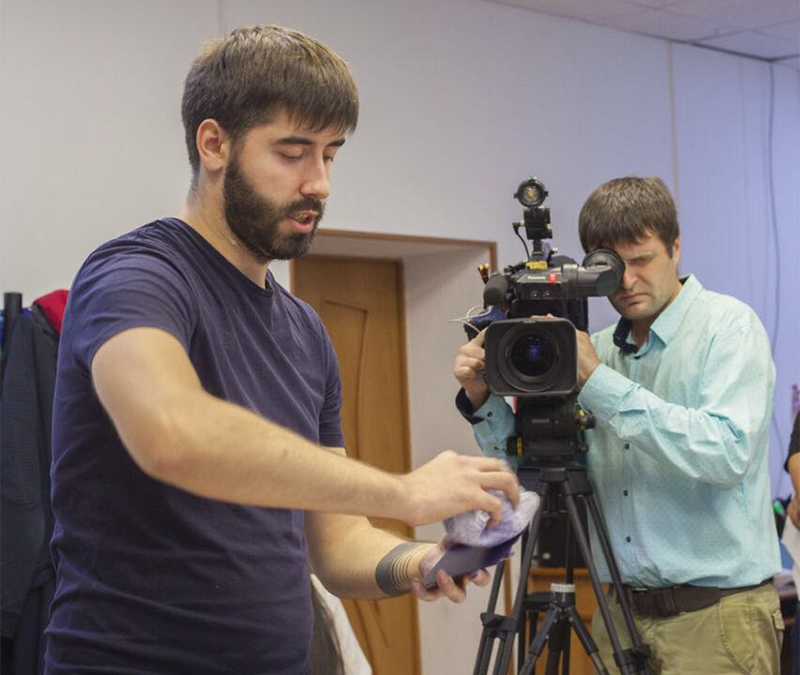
column 741, row 634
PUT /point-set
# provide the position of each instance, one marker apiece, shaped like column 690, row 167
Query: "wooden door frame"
column 384, row 237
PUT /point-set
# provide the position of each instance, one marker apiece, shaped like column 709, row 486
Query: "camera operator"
column 681, row 389
column 198, row 459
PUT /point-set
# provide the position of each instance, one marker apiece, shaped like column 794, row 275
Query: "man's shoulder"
column 163, row 235
column 606, row 332
column 151, row 248
column 721, row 312
column 605, row 335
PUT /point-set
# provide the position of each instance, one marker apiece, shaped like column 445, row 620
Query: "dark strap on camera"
column 621, row 333
column 666, row 602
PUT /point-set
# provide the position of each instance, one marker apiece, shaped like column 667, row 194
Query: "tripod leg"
column 550, row 620
column 558, row 647
column 569, row 563
column 583, row 543
column 526, row 631
column 518, row 612
column 641, row 651
column 589, row 645
column 488, row 635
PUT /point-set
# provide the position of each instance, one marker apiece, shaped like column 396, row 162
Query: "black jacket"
column 26, row 522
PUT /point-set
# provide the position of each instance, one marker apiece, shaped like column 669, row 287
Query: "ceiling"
column 762, row 29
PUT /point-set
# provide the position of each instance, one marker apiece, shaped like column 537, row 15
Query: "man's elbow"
column 724, row 455
column 157, row 449
column 737, row 463
column 732, row 476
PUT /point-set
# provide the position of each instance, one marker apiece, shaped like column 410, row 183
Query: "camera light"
column 531, row 193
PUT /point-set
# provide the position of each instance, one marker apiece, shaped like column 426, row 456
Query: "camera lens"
column 533, row 355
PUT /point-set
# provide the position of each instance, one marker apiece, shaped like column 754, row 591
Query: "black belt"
column 673, row 600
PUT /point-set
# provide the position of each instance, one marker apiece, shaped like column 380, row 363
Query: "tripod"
column 570, row 482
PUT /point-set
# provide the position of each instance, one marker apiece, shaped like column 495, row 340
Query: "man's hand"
column 587, row 357
column 445, row 584
column 468, row 369
column 793, row 464
column 451, row 484
column 794, row 510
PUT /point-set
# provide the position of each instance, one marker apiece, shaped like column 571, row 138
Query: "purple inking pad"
column 460, row 560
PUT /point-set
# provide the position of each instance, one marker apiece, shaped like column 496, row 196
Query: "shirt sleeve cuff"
column 464, row 406
column 495, row 407
column 604, row 392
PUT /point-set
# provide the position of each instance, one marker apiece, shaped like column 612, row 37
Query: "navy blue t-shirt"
column 150, row 578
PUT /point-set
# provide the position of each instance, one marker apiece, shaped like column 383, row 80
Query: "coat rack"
column 12, row 306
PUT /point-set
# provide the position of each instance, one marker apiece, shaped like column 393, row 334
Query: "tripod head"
column 550, row 431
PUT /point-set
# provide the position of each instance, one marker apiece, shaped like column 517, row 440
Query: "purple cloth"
column 471, row 529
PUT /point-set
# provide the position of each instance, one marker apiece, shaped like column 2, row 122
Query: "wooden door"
column 360, row 302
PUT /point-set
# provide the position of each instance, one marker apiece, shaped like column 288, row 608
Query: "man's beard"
column 255, row 220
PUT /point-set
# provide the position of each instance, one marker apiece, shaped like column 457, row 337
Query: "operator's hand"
column 455, row 591
column 794, row 510
column 587, row 357
column 468, row 369
column 451, row 484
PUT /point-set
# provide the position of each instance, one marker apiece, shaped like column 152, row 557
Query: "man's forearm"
column 355, row 559
column 673, row 433
column 220, row 450
column 178, row 433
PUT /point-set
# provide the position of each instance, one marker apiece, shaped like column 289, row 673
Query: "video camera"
column 533, row 311
column 536, row 359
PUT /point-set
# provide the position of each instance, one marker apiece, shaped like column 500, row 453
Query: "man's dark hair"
column 624, row 210
column 251, row 75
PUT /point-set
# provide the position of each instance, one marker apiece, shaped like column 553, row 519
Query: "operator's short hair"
column 624, row 210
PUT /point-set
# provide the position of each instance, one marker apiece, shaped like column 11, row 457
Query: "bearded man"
column 198, row 458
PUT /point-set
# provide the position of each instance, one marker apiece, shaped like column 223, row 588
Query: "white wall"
column 452, row 118
column 461, row 99
column 440, row 287
column 723, row 109
column 90, row 110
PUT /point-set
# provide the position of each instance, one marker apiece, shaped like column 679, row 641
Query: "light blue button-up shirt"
column 679, row 456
